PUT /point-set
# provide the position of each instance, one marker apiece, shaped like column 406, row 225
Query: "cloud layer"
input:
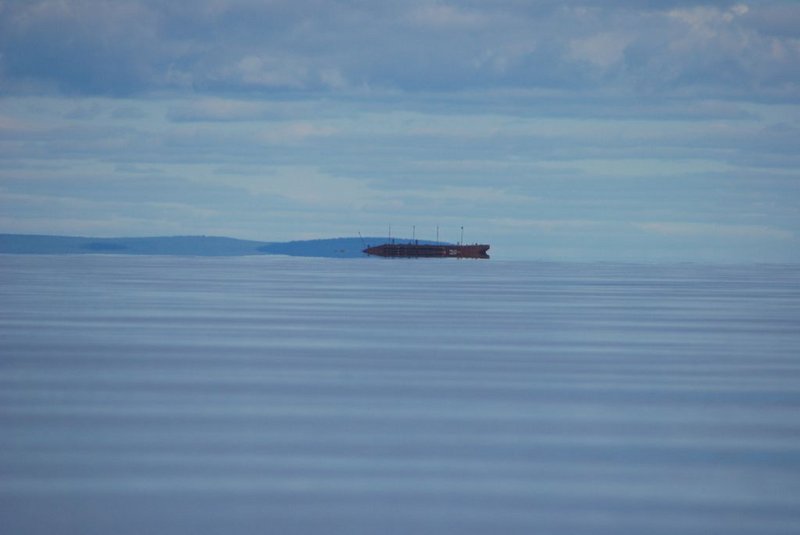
column 133, row 47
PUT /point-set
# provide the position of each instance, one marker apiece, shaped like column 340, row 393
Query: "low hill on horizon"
column 186, row 246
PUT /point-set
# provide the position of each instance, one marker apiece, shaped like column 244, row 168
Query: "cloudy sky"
column 563, row 130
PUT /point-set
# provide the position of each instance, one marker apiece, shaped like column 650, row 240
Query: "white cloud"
column 549, row 225
column 292, row 132
column 218, row 109
column 602, row 49
column 271, row 71
column 444, row 16
column 711, row 230
column 142, row 47
column 307, row 186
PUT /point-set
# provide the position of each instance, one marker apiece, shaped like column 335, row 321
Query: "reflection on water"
column 289, row 395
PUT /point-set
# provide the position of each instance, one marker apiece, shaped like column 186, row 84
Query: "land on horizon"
column 344, row 247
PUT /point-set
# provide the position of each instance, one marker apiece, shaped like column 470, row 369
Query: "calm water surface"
column 286, row 395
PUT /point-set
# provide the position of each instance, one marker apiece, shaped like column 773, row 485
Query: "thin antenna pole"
column 462, row 235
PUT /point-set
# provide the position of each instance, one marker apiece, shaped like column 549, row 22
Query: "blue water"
column 172, row 395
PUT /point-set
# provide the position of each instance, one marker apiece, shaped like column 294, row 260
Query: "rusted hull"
column 413, row 250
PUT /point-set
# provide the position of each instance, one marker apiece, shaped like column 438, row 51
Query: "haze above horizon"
column 569, row 130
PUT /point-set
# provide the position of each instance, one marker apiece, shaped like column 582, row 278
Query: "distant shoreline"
column 347, row 247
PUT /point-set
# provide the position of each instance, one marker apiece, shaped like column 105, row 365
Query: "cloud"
column 602, row 49
column 270, row 72
column 712, row 230
column 775, row 19
column 292, row 132
column 221, row 109
column 82, row 46
column 128, row 112
column 443, row 16
column 304, row 187
column 550, row 225
column 97, row 47
column 704, row 49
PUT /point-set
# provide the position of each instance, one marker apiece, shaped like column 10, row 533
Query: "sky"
column 613, row 130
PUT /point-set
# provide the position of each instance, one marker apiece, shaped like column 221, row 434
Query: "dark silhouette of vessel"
column 417, row 250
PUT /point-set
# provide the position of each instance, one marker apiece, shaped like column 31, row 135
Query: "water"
column 284, row 395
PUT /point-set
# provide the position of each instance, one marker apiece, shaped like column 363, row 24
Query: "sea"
column 284, row 395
